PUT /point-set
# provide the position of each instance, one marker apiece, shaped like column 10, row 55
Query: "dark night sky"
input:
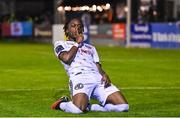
column 84, row 2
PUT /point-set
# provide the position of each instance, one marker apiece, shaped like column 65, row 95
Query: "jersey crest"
column 59, row 48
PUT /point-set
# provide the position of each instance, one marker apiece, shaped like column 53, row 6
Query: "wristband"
column 78, row 45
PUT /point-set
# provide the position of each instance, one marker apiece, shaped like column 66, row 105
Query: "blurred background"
column 142, row 23
column 31, row 77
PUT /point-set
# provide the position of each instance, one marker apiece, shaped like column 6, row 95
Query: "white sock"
column 70, row 107
column 117, row 108
column 97, row 107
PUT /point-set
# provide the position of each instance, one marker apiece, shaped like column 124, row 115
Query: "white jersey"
column 84, row 61
column 89, row 79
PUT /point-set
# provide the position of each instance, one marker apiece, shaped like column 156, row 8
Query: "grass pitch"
column 31, row 79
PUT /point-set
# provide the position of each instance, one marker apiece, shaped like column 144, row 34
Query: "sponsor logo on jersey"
column 85, row 51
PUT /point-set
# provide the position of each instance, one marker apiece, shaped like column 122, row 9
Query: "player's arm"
column 68, row 56
column 105, row 77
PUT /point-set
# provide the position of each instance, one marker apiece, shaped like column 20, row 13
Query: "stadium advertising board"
column 6, row 29
column 41, row 30
column 58, row 33
column 119, row 31
column 141, row 35
column 17, row 29
column 165, row 35
column 101, row 31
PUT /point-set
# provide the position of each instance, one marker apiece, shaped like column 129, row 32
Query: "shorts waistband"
column 79, row 73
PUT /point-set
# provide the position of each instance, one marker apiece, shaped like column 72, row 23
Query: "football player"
column 87, row 79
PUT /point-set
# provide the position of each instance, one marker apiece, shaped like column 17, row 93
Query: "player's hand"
column 79, row 38
column 79, row 35
column 105, row 80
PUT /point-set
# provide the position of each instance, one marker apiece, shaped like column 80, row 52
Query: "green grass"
column 31, row 79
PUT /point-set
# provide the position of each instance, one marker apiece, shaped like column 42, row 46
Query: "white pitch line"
column 123, row 88
column 150, row 88
column 139, row 60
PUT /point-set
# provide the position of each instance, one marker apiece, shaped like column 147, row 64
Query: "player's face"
column 73, row 28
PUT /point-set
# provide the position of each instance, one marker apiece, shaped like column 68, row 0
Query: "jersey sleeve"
column 95, row 55
column 59, row 47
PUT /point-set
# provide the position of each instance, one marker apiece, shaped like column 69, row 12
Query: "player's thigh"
column 77, row 87
column 101, row 93
column 80, row 100
column 81, row 90
column 116, row 98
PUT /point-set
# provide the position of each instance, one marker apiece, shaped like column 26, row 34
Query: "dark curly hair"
column 67, row 23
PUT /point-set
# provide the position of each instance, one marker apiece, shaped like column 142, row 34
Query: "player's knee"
column 83, row 107
column 81, row 101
